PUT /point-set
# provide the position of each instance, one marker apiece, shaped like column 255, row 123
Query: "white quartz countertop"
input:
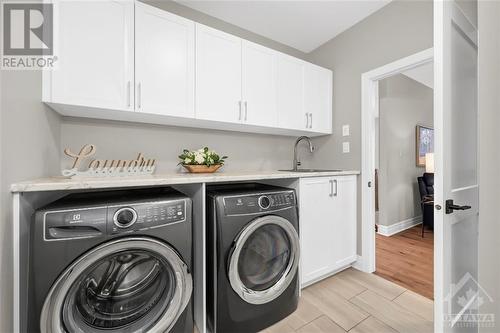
column 64, row 183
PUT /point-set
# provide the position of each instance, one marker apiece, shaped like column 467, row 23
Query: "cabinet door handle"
column 139, row 95
column 128, row 94
column 246, row 110
column 239, row 107
column 311, row 122
column 336, row 187
column 307, row 120
column 331, row 187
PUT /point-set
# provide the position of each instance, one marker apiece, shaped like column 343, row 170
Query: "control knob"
column 125, row 217
column 264, row 202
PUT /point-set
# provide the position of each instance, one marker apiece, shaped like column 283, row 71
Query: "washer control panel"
column 145, row 215
column 258, row 203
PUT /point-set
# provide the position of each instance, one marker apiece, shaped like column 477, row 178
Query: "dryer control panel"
column 258, row 203
column 145, row 215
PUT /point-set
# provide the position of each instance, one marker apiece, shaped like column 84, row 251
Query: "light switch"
column 345, row 130
column 345, row 147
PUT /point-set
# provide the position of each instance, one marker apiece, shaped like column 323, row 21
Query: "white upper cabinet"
column 95, row 51
column 259, row 85
column 218, row 75
column 165, row 69
column 290, row 93
column 318, row 97
column 164, row 63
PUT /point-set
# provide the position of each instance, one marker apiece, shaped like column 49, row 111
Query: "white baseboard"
column 324, row 276
column 399, row 226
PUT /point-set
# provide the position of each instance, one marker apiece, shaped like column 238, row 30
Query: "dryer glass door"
column 132, row 285
column 264, row 259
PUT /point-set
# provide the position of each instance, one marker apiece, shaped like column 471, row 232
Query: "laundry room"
column 213, row 166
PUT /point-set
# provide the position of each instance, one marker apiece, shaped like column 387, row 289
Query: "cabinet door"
column 345, row 222
column 259, row 85
column 290, row 98
column 164, row 63
column 218, row 75
column 318, row 98
column 317, row 228
column 95, row 51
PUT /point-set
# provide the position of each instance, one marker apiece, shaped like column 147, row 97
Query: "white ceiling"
column 301, row 24
column 423, row 74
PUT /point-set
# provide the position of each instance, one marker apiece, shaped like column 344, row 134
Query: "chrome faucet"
column 296, row 162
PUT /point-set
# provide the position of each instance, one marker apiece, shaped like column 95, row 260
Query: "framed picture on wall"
column 424, row 143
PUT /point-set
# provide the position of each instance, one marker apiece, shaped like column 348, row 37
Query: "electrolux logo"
column 28, row 35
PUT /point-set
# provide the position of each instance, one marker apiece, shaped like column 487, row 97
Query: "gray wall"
column 245, row 151
column 399, row 29
column 489, row 154
column 404, row 103
column 30, row 141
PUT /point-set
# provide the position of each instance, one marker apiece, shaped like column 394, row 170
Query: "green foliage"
column 202, row 156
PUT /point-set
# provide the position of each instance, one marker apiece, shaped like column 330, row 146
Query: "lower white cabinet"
column 327, row 225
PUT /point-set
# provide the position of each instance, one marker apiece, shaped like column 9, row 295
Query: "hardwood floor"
column 357, row 302
column 407, row 259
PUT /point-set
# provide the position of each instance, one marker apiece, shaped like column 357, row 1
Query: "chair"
column 426, row 189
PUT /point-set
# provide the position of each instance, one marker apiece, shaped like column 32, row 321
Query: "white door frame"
column 369, row 113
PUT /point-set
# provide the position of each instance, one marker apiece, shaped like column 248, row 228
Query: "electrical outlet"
column 345, row 130
column 345, row 147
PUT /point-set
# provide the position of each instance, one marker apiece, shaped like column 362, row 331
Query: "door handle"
column 331, row 187
column 246, row 110
column 336, row 187
column 307, row 120
column 311, row 122
column 450, row 207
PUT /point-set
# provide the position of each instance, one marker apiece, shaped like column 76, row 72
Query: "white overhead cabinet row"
column 126, row 60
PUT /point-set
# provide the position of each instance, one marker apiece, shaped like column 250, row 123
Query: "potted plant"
column 201, row 161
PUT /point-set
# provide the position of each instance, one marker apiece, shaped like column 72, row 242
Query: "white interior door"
column 95, row 66
column 259, row 85
column 164, row 63
column 457, row 293
column 218, row 75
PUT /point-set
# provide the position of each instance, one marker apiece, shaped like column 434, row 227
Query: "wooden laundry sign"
column 106, row 168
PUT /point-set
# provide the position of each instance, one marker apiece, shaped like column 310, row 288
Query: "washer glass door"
column 132, row 285
column 264, row 259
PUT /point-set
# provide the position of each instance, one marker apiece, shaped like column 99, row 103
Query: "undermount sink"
column 312, row 170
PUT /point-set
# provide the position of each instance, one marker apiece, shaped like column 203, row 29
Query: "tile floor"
column 353, row 301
